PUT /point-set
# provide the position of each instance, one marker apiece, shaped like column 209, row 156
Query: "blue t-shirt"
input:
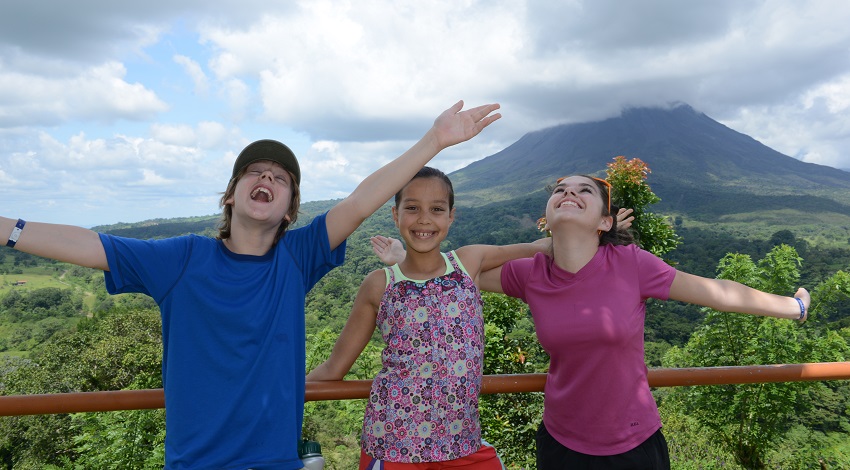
column 233, row 341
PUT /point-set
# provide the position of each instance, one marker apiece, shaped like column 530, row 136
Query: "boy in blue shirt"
column 233, row 306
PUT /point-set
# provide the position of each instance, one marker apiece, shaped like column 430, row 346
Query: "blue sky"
column 121, row 112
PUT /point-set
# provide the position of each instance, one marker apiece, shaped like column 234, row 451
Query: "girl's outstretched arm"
column 731, row 296
column 65, row 243
column 357, row 331
column 480, row 258
column 491, row 280
column 451, row 127
column 488, row 274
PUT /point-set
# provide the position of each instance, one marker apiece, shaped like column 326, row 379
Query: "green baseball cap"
column 271, row 150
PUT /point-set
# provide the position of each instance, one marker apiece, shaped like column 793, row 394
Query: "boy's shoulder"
column 190, row 240
column 178, row 240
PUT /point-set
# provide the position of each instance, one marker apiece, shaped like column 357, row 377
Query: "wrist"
column 432, row 141
column 802, row 308
column 16, row 233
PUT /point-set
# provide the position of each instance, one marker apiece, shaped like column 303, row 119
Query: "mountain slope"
column 698, row 165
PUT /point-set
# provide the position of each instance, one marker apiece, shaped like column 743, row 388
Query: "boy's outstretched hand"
column 389, row 250
column 454, row 126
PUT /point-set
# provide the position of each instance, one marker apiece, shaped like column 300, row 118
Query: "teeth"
column 568, row 203
column 264, row 191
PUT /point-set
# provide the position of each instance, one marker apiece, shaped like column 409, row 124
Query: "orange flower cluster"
column 632, row 171
column 541, row 225
column 520, row 356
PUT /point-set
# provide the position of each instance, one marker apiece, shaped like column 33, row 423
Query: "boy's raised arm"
column 451, row 127
column 64, row 243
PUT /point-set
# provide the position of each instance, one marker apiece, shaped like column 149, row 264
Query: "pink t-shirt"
column 597, row 398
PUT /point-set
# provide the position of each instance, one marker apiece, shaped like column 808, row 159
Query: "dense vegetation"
column 61, row 333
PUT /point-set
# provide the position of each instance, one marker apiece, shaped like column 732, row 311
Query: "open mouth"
column 423, row 235
column 262, row 194
column 568, row 203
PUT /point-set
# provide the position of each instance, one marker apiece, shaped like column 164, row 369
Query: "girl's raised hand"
column 453, row 126
column 625, row 219
column 389, row 250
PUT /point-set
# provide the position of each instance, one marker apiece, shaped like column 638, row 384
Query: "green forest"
column 61, row 332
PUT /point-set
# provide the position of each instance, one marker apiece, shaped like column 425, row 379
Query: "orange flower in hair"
column 543, row 227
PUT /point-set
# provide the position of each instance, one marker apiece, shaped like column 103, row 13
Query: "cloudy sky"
column 124, row 111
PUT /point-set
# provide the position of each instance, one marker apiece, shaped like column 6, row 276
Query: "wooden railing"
column 352, row 389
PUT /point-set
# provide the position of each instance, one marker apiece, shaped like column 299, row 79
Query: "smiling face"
column 578, row 200
column 423, row 214
column 264, row 193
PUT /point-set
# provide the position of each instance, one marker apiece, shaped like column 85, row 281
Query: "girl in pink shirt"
column 587, row 299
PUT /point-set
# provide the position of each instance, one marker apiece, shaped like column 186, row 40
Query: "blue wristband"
column 16, row 232
column 802, row 308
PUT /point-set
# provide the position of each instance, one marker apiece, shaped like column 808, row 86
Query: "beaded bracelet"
column 802, row 308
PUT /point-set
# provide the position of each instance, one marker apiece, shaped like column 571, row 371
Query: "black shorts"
column 651, row 454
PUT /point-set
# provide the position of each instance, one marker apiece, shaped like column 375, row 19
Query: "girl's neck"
column 573, row 251
column 423, row 265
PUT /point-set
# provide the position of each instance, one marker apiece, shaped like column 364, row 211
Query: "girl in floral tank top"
column 423, row 407
column 424, row 402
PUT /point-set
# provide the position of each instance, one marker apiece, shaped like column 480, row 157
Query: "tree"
column 121, row 349
column 132, row 440
column 749, row 419
column 510, row 421
column 653, row 232
column 336, row 425
column 833, row 297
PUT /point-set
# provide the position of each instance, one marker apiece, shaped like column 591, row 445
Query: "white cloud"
column 150, row 178
column 835, row 94
column 212, row 135
column 339, row 70
column 195, row 72
column 239, row 97
column 181, row 134
column 99, row 93
column 102, row 102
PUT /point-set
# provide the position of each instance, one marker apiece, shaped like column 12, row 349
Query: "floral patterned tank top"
column 423, row 405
